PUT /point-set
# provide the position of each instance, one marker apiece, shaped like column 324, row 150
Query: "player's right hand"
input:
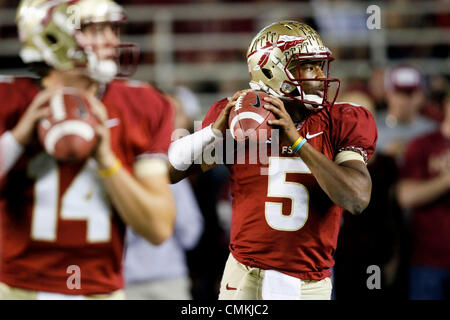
column 221, row 122
column 103, row 154
column 38, row 109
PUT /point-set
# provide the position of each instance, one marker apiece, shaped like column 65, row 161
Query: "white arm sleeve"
column 183, row 152
column 10, row 152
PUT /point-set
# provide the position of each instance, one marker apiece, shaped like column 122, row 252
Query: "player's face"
column 311, row 70
column 103, row 37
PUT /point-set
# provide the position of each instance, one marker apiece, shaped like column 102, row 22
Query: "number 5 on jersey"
column 277, row 186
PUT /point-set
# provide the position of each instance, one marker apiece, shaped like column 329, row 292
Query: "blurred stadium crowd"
column 195, row 50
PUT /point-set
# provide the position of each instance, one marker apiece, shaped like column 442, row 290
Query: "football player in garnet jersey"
column 285, row 223
column 62, row 224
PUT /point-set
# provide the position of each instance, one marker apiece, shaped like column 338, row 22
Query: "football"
column 248, row 119
column 68, row 134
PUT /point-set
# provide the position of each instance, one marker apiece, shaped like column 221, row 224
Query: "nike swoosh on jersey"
column 258, row 102
column 308, row 136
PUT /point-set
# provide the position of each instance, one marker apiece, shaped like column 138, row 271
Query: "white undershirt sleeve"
column 10, row 152
column 183, row 152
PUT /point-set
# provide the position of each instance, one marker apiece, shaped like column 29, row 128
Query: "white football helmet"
column 50, row 32
column 278, row 48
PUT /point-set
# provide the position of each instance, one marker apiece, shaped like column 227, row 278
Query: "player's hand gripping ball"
column 248, row 118
column 68, row 133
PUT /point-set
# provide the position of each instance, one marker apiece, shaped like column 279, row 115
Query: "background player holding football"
column 285, row 224
column 55, row 215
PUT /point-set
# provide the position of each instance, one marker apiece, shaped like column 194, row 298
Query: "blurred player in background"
column 60, row 217
column 285, row 224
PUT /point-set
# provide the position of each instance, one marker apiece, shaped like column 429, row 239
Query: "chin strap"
column 261, row 86
column 101, row 70
column 313, row 98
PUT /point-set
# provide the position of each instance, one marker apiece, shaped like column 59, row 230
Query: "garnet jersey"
column 56, row 215
column 284, row 221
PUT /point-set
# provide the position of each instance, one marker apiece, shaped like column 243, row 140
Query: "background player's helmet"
column 50, row 32
column 278, row 48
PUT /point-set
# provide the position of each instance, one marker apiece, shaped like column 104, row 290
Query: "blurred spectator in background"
column 213, row 246
column 425, row 188
column 161, row 272
column 358, row 97
column 434, row 107
column 338, row 19
column 341, row 21
column 188, row 106
column 401, row 121
column 208, row 188
column 376, row 236
column 376, row 88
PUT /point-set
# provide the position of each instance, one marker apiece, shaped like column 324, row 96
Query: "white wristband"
column 10, row 152
column 183, row 152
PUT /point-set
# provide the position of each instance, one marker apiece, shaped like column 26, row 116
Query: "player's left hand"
column 103, row 153
column 284, row 121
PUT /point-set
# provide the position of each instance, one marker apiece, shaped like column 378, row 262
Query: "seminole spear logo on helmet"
column 283, row 43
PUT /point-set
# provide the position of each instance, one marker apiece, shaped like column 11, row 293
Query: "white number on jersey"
column 278, row 187
column 83, row 200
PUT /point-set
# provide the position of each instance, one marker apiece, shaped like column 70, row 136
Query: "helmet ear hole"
column 51, row 38
column 267, row 73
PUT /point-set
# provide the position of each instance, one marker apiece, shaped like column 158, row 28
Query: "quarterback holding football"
column 82, row 155
column 285, row 223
